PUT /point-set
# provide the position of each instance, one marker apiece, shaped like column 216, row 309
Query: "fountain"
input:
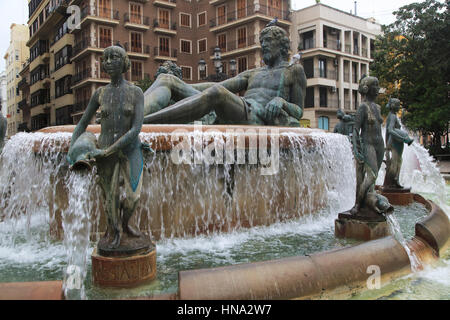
column 236, row 211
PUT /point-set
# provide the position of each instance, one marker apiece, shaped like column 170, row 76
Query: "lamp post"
column 217, row 60
column 233, row 67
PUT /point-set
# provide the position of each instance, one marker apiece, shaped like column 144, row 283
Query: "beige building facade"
column 336, row 50
column 15, row 56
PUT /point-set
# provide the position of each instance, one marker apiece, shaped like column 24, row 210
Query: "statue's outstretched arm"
column 87, row 116
column 235, row 84
column 136, row 126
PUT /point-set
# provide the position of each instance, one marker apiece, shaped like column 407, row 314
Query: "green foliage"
column 412, row 61
column 144, row 84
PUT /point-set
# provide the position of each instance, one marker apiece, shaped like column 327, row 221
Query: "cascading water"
column 317, row 174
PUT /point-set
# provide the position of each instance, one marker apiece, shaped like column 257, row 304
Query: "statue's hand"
column 96, row 154
column 273, row 108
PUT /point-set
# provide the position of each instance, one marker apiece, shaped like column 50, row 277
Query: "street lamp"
column 202, row 68
column 233, row 67
column 217, row 60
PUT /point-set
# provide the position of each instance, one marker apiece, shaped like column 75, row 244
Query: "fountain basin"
column 187, row 199
column 334, row 273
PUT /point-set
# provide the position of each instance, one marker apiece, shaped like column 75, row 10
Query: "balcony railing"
column 22, row 83
column 364, row 52
column 247, row 12
column 164, row 24
column 102, row 12
column 306, row 44
column 332, row 44
column 81, row 45
column 136, row 19
column 143, row 49
column 234, row 45
column 80, row 106
column 81, row 75
column 346, row 77
column 22, row 104
column 322, row 73
column 165, row 53
column 348, row 48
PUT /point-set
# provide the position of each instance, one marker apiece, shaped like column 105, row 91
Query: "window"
column 308, row 40
column 309, row 99
column 323, row 123
column 308, row 65
column 135, row 13
column 17, row 55
column 60, row 32
column 322, row 68
column 242, row 37
column 185, row 20
column 187, row 73
column 63, row 115
column 274, row 8
column 163, row 18
column 201, row 45
column 221, row 11
column 185, row 46
column 105, row 35
column 241, row 9
column 201, row 18
column 62, row 86
column 136, row 71
column 222, row 42
column 62, row 57
column 136, row 42
column 104, row 8
column 164, row 47
column 242, row 64
column 323, row 95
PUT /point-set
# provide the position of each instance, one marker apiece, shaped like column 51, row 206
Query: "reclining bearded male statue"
column 274, row 93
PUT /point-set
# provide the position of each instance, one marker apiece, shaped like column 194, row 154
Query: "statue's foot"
column 132, row 232
column 116, row 241
column 354, row 210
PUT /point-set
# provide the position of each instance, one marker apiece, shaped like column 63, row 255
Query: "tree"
column 412, row 61
column 144, row 84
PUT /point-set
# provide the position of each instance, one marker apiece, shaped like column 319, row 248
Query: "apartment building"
column 65, row 63
column 3, row 93
column 336, row 49
column 16, row 54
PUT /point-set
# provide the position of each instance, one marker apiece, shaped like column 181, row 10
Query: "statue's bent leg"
column 109, row 182
column 131, row 200
column 227, row 106
column 165, row 88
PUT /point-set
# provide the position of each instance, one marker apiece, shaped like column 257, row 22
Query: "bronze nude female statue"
column 118, row 155
column 395, row 140
column 368, row 147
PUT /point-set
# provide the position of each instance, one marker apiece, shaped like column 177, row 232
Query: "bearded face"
column 271, row 49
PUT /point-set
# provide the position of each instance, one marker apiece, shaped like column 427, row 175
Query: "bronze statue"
column 274, row 94
column 345, row 124
column 395, row 140
column 118, row 155
column 3, row 127
column 368, row 146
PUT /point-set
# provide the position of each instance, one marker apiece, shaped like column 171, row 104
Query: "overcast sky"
column 16, row 11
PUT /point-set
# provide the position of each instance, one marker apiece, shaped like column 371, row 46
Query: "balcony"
column 164, row 55
column 306, row 44
column 322, row 73
column 79, row 106
column 164, row 27
column 136, row 22
column 332, row 44
column 88, row 75
column 348, row 49
column 137, row 52
column 103, row 15
column 237, row 47
column 364, row 53
column 244, row 15
column 23, row 83
column 86, row 44
column 170, row 4
column 56, row 14
column 23, row 104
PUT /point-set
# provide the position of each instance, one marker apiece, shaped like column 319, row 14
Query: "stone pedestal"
column 360, row 228
column 128, row 271
column 398, row 197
